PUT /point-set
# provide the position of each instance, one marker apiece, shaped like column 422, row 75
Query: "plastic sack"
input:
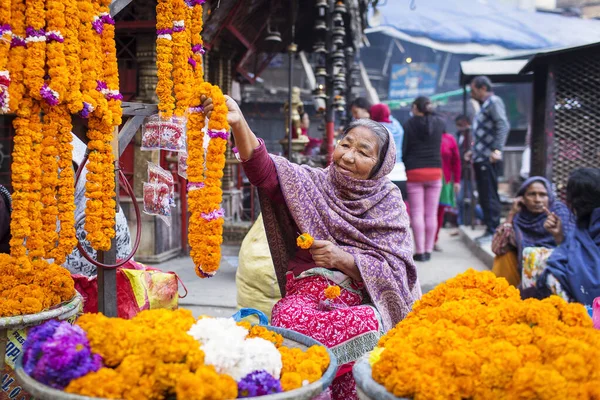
column 182, row 165
column 173, row 134
column 138, row 288
column 156, row 174
column 596, row 312
column 151, row 133
column 255, row 279
column 156, row 201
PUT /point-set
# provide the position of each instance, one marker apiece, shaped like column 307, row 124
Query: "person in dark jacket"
column 5, row 209
column 423, row 162
column 490, row 130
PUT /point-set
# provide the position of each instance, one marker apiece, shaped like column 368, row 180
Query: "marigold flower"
column 332, row 292
column 305, row 241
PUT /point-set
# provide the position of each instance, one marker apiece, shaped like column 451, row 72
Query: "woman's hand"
column 516, row 208
column 245, row 139
column 234, row 116
column 553, row 225
column 328, row 255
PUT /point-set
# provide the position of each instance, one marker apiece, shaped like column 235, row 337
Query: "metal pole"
column 329, row 113
column 292, row 48
column 107, row 278
column 290, row 110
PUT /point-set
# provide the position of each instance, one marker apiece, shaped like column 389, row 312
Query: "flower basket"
column 366, row 387
column 14, row 329
column 291, row 339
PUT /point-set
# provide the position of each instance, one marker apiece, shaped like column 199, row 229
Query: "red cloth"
column 381, row 113
column 337, row 323
column 261, row 172
column 451, row 164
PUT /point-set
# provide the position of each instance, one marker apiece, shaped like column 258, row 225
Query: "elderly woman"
column 536, row 224
column 573, row 269
column 362, row 243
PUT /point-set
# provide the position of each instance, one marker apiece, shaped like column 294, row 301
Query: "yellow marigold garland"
column 17, row 53
column 164, row 57
column 5, row 40
column 36, row 47
column 196, row 41
column 206, row 220
column 66, row 188
column 181, row 48
column 49, row 166
column 35, row 241
column 473, row 337
column 72, row 51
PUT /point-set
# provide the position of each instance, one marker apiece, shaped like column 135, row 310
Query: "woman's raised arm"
column 245, row 139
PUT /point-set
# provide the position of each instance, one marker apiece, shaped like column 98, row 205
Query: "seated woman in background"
column 573, row 269
column 536, row 224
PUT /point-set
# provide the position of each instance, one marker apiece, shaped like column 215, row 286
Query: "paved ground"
column 217, row 296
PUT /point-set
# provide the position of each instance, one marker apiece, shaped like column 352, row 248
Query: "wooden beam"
column 116, row 6
column 145, row 109
column 128, row 131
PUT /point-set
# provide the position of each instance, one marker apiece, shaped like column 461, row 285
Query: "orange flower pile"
column 301, row 368
column 474, row 338
column 145, row 357
column 263, row 333
column 304, row 241
column 59, row 54
column 153, row 357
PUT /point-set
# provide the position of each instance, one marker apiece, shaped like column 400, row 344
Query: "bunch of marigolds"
column 474, row 338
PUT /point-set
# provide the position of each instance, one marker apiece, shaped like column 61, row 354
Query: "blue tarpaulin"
column 460, row 23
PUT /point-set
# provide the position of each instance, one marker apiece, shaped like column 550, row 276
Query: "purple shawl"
column 366, row 218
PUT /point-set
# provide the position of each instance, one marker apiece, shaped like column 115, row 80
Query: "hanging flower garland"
column 206, row 221
column 17, row 54
column 164, row 58
column 5, row 39
column 181, row 46
column 72, row 50
column 196, row 39
column 36, row 48
column 49, row 166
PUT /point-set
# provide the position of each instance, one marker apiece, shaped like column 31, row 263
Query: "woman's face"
column 536, row 198
column 357, row 153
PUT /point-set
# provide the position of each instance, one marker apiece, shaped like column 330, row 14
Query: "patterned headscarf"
column 366, row 218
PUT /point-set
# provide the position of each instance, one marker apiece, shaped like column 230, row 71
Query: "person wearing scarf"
column 537, row 222
column 362, row 242
column 573, row 269
column 381, row 113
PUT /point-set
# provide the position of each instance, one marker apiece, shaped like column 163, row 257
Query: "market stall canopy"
column 477, row 27
column 499, row 71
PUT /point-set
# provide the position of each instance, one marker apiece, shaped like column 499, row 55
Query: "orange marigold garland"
column 72, row 51
column 66, row 188
column 164, row 57
column 206, row 221
column 196, row 39
column 5, row 40
column 36, row 48
column 49, row 166
column 17, row 53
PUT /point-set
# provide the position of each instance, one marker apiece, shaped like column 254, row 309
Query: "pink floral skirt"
column 345, row 325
